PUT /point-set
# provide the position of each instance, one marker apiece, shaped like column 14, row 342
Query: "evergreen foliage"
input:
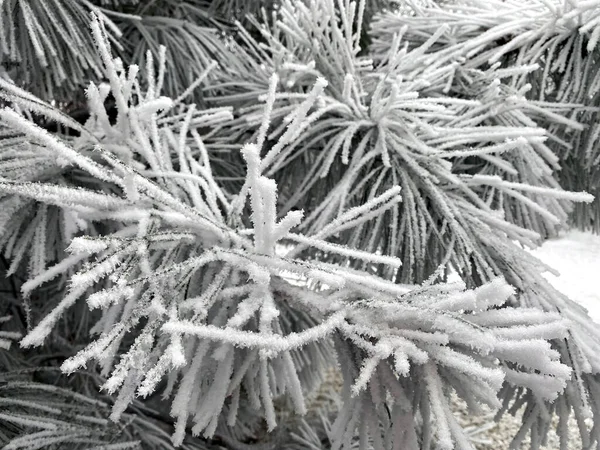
column 250, row 201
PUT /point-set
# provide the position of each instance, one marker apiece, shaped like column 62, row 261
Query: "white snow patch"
column 576, row 255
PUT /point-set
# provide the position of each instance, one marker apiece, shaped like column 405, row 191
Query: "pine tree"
column 226, row 203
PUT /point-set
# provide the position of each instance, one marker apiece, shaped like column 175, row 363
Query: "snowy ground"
column 576, row 255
